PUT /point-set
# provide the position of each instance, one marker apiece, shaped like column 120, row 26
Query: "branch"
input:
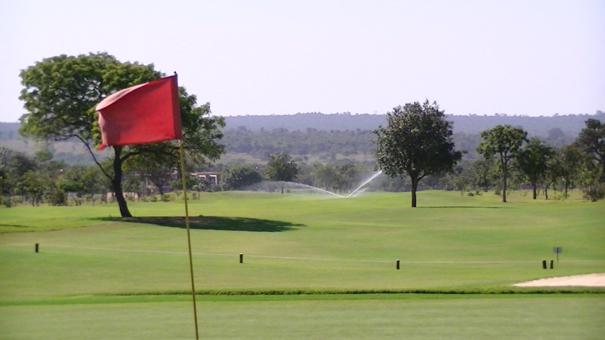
column 94, row 158
column 142, row 151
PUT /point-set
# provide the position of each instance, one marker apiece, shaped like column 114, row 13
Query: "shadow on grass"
column 462, row 207
column 15, row 225
column 211, row 223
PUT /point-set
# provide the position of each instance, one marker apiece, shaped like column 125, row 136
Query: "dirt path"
column 588, row 280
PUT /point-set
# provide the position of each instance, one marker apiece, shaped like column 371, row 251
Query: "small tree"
column 592, row 141
column 34, row 185
column 569, row 161
column 326, row 176
column 533, row 162
column 157, row 168
column 236, row 177
column 281, row 167
column 485, row 174
column 462, row 177
column 418, row 142
column 503, row 141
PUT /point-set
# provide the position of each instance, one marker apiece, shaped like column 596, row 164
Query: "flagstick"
column 183, row 180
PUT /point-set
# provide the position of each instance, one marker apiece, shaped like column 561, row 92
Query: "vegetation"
column 237, row 177
column 534, row 161
column 560, row 126
column 281, row 167
column 60, row 94
column 145, row 175
column 504, row 142
column 553, row 316
column 417, row 141
column 592, row 142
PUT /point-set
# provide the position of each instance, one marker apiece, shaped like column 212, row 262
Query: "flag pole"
column 184, row 182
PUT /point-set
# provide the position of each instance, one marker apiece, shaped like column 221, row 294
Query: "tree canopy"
column 592, row 141
column 418, row 142
column 503, row 141
column 534, row 160
column 281, row 167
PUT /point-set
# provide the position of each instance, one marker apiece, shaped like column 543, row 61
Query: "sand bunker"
column 588, row 280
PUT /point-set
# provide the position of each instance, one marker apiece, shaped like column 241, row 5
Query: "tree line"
column 509, row 159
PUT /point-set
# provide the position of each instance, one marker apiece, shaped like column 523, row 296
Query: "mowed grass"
column 449, row 242
column 325, row 317
column 81, row 283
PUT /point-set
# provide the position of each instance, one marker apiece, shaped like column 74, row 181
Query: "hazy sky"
column 281, row 57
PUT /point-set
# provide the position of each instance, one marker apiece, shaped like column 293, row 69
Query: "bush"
column 595, row 192
column 57, row 197
column 168, row 197
column 7, row 202
column 239, row 176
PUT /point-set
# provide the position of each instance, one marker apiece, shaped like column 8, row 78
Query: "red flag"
column 140, row 114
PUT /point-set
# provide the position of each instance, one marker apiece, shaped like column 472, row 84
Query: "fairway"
column 303, row 244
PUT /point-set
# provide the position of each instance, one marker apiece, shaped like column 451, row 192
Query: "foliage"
column 566, row 166
column 33, row 185
column 237, row 177
column 533, row 160
column 504, row 142
column 281, row 167
column 467, row 124
column 336, row 177
column 60, row 94
column 417, row 142
column 463, row 177
column 156, row 167
column 592, row 141
column 83, row 180
column 56, row 195
column 485, row 171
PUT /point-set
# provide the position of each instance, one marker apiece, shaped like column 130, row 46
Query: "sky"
column 539, row 57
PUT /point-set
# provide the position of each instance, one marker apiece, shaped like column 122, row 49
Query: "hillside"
column 327, row 137
column 469, row 124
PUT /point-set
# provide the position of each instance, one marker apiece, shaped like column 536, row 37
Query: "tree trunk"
column 534, row 185
column 566, row 185
column 116, row 182
column 414, row 187
column 546, row 192
column 504, row 178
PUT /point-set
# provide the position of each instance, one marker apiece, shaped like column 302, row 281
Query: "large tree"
column 533, row 161
column 60, row 94
column 503, row 141
column 418, row 142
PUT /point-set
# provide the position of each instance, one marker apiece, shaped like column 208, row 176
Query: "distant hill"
column 470, row 124
column 326, row 136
